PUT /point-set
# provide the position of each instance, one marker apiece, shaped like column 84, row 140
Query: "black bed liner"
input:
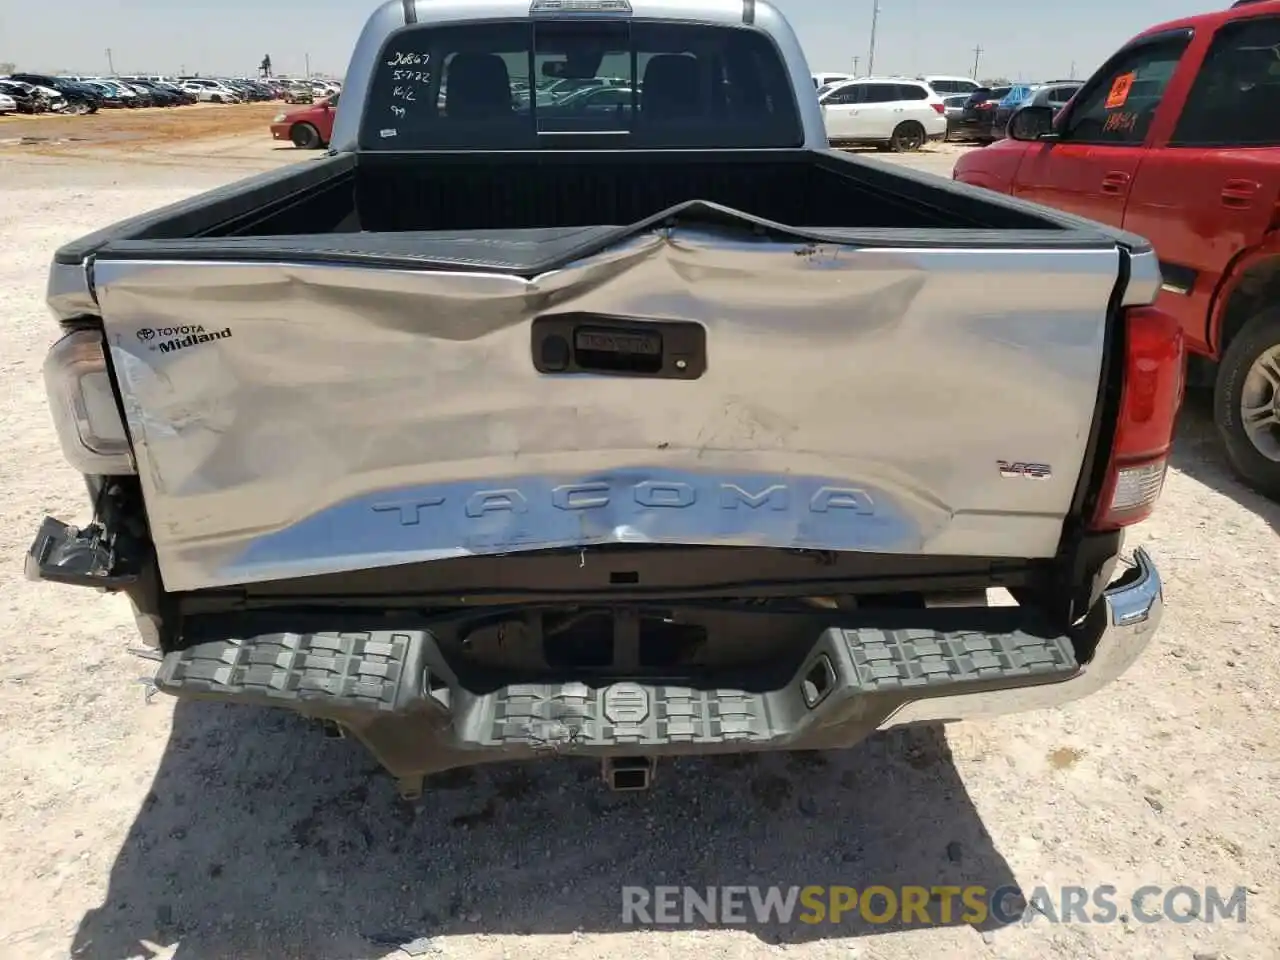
column 528, row 213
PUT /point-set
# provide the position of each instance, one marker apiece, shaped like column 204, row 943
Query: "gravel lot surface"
column 196, row 831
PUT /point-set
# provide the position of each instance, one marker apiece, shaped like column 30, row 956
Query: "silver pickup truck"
column 624, row 425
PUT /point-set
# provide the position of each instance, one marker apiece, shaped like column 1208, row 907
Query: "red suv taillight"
column 940, row 107
column 1150, row 396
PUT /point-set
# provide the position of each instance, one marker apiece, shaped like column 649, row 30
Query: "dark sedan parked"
column 142, row 96
column 181, row 97
column 1053, row 95
column 251, row 91
column 158, row 95
column 1018, row 95
column 110, row 95
column 974, row 122
column 1056, row 94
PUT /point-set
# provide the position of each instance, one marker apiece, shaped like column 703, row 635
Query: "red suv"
column 1177, row 138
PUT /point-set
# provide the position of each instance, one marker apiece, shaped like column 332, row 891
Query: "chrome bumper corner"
column 1134, row 606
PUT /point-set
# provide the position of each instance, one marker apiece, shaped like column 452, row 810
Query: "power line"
column 977, row 56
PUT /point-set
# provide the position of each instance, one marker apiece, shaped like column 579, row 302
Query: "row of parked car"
column 904, row 113
column 42, row 93
column 983, row 114
column 892, row 113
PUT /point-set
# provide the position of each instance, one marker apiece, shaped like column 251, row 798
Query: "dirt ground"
column 149, row 126
column 136, row 829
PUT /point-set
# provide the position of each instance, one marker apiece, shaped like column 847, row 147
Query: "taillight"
column 986, row 105
column 1150, row 396
column 84, row 408
column 940, row 107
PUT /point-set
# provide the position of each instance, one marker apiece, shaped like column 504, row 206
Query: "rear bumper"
column 395, row 691
column 1130, row 611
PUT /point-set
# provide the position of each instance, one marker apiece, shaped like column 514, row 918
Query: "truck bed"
column 911, row 371
column 376, row 207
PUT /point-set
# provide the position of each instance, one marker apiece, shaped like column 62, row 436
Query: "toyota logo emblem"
column 146, row 333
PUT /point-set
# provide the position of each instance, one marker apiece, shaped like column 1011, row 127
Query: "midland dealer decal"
column 172, row 339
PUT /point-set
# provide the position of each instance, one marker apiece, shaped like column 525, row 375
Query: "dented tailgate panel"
column 294, row 419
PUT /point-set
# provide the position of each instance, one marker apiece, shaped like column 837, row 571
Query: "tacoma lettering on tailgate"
column 649, row 493
column 501, row 514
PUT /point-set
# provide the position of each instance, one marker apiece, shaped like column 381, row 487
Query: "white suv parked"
column 892, row 113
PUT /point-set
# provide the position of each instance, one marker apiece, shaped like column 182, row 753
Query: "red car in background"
column 309, row 128
column 1177, row 138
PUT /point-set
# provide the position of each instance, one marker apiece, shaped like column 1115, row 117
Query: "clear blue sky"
column 1034, row 40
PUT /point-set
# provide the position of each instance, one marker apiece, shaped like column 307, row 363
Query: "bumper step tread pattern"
column 626, row 713
column 865, row 662
column 385, row 672
column 888, row 660
column 363, row 671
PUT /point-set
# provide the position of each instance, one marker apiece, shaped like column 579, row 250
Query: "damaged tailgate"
column 703, row 383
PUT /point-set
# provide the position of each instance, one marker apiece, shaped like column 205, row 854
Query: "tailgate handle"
column 589, row 343
column 1115, row 181
column 1239, row 193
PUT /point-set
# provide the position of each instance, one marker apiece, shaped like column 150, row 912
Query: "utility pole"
column 111, row 67
column 977, row 56
column 855, row 65
column 1073, row 70
column 871, row 54
column 308, row 58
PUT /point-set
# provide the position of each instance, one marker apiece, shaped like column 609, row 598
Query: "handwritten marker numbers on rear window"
column 399, row 112
column 1123, row 122
column 407, row 59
